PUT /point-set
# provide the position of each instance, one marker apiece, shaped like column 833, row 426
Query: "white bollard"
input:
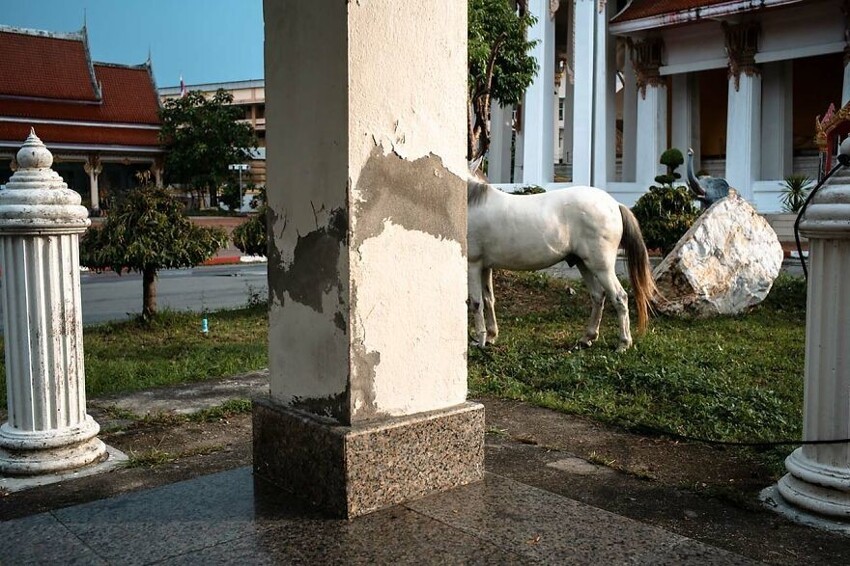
column 48, row 429
column 818, row 478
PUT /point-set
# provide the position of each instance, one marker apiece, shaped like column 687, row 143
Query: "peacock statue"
column 707, row 190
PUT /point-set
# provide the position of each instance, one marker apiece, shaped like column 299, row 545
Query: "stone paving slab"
column 229, row 517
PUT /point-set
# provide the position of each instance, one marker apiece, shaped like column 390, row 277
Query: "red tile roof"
column 47, row 78
column 82, row 135
column 47, row 66
column 128, row 96
column 639, row 9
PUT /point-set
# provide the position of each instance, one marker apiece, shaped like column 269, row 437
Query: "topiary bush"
column 665, row 214
column 671, row 158
column 250, row 236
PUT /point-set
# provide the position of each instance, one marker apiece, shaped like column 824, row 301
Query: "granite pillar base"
column 350, row 471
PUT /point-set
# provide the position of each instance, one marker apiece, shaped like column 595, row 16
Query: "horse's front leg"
column 476, row 302
column 489, row 305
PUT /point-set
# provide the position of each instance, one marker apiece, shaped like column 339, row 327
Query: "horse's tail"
column 640, row 271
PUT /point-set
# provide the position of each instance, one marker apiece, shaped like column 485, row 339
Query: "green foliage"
column 730, row 378
column 498, row 60
column 530, row 190
column 795, row 190
column 671, row 158
column 202, row 136
column 250, row 236
column 665, row 214
column 146, row 232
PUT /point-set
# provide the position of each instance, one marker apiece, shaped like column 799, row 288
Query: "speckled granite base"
column 354, row 470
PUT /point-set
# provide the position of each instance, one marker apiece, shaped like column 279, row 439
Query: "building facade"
column 248, row 96
column 740, row 82
column 100, row 120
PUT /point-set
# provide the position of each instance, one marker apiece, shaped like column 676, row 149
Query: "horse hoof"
column 622, row 348
column 582, row 345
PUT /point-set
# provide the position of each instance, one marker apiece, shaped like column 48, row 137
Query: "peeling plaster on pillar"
column 414, row 128
column 401, row 387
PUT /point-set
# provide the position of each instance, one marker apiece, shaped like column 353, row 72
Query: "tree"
column 499, row 64
column 146, row 232
column 202, row 136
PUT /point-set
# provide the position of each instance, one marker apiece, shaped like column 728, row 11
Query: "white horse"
column 582, row 225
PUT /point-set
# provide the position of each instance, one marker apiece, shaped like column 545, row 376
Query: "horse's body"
column 583, row 225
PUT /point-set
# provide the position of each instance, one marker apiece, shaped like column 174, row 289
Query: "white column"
column 501, row 133
column 629, row 120
column 605, row 104
column 93, row 167
column 539, row 120
column 777, row 112
column 583, row 90
column 685, row 127
column 651, row 134
column 367, row 266
column 48, row 429
column 519, row 153
column 818, row 479
column 743, row 133
column 569, row 102
column 845, row 89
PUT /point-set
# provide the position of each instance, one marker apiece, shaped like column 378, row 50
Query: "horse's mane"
column 477, row 189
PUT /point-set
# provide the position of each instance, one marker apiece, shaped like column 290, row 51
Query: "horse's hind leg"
column 614, row 290
column 476, row 302
column 489, row 305
column 597, row 298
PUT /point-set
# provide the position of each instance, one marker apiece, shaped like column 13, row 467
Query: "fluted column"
column 93, row 167
column 818, row 478
column 48, row 429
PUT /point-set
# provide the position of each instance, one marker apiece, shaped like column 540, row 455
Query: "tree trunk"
column 213, row 196
column 148, row 293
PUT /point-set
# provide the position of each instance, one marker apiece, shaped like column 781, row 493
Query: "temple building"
column 742, row 83
column 100, row 120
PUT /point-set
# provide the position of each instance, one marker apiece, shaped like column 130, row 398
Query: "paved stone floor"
column 227, row 517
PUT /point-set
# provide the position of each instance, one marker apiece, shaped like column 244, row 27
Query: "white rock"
column 726, row 263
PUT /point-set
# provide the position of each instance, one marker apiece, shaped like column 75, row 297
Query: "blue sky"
column 205, row 40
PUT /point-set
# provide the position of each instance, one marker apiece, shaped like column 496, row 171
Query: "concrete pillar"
column 48, row 429
column 367, row 263
column 501, row 134
column 583, row 90
column 685, row 126
column 652, row 134
column 818, row 479
column 743, row 119
column 743, row 134
column 651, row 110
column 629, row 120
column 777, row 127
column 605, row 103
column 569, row 103
column 93, row 167
column 539, row 119
column 157, row 167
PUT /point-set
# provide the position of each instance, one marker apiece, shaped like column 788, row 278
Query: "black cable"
column 843, row 160
column 765, row 443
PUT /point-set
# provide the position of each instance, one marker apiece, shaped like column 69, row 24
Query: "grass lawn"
column 731, row 378
column 129, row 356
column 737, row 378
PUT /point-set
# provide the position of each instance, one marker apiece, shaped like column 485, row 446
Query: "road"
column 107, row 296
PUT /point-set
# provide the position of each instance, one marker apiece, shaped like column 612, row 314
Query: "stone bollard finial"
column 48, row 429
column 34, row 154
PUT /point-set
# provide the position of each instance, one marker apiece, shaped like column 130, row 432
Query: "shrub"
column 671, row 158
column 794, row 192
column 665, row 214
column 250, row 236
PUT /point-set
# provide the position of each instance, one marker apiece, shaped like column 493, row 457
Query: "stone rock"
column 725, row 264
